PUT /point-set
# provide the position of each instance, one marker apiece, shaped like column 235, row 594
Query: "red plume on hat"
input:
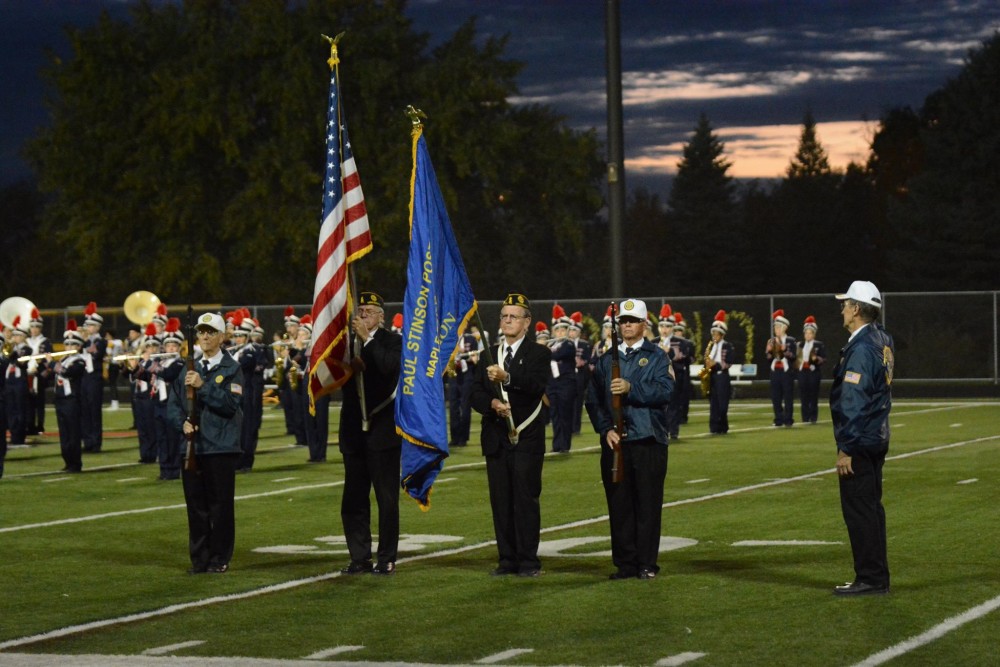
column 173, row 325
column 162, row 310
column 558, row 313
column 778, row 313
column 577, row 318
column 306, row 320
column 540, row 327
column 678, row 317
column 810, row 323
column 71, row 325
column 665, row 311
column 720, row 316
column 90, row 309
column 397, row 320
column 151, row 329
column 289, row 311
column 237, row 318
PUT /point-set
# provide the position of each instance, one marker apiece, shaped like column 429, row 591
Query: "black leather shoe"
column 503, row 571
column 217, row 569
column 357, row 568
column 533, row 572
column 385, row 568
column 860, row 588
column 200, row 569
column 621, row 574
column 646, row 573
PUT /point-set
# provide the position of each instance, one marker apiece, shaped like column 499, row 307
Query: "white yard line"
column 679, row 659
column 938, row 631
column 171, row 648
column 503, row 655
column 330, row 652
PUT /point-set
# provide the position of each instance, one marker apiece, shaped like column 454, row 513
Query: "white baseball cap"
column 862, row 291
column 632, row 308
column 211, row 321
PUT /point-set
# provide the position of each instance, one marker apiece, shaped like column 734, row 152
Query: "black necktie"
column 204, row 366
column 506, row 360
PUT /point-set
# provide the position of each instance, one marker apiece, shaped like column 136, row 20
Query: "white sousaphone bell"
column 15, row 306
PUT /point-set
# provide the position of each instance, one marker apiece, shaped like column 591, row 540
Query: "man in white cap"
column 635, row 504
column 860, row 402
column 210, row 490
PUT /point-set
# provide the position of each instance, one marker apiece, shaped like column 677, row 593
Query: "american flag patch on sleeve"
column 852, row 377
column 236, row 389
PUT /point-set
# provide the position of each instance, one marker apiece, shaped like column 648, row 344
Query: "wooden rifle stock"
column 617, row 413
column 193, row 409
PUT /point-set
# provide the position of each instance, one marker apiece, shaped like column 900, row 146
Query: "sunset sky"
column 754, row 67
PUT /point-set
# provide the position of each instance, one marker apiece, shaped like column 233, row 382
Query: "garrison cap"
column 371, row 299
column 515, row 299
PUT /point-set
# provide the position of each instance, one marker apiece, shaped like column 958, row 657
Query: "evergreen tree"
column 810, row 159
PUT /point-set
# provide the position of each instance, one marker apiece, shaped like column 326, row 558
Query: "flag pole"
column 352, row 283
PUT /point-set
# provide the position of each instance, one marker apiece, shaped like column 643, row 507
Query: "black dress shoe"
column 384, row 568
column 646, row 573
column 356, row 567
column 503, row 571
column 217, row 569
column 621, row 574
column 860, row 588
column 198, row 569
column 530, row 572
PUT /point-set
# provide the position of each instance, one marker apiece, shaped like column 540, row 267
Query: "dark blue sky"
column 754, row 67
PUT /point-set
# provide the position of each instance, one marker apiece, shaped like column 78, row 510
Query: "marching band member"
column 286, row 394
column 169, row 389
column 16, row 382
column 810, row 356
column 92, row 389
column 4, row 361
column 562, row 387
column 584, row 351
column 69, row 372
column 781, row 354
column 718, row 358
column 144, row 375
column 460, row 389
column 542, row 335
column 682, row 367
column 38, row 375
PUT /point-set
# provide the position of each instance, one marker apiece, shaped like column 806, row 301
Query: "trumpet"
column 118, row 358
column 37, row 357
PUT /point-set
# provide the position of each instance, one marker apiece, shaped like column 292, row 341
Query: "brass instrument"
column 37, row 357
column 140, row 307
column 118, row 358
column 705, row 376
column 8, row 348
column 293, row 376
column 13, row 307
column 279, row 371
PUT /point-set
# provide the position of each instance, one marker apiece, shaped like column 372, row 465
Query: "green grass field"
column 95, row 563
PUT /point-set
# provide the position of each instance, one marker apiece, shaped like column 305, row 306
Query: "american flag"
column 343, row 238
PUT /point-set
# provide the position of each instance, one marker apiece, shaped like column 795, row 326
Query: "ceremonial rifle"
column 193, row 409
column 617, row 412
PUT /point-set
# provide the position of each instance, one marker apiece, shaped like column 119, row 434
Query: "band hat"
column 778, row 317
column 679, row 321
column 576, row 321
column 161, row 314
column 810, row 324
column 541, row 330
column 172, row 332
column 607, row 317
column 633, row 308
column 72, row 335
column 211, row 321
column 91, row 314
column 666, row 315
column 371, row 299
column 719, row 324
column 36, row 318
column 397, row 322
column 559, row 317
column 307, row 321
column 862, row 291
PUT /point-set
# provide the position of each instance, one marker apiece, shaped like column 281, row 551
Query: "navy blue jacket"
column 647, row 370
column 861, row 397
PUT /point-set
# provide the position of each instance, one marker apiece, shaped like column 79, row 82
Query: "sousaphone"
column 13, row 306
column 140, row 307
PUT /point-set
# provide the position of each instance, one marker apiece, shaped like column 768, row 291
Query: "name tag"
column 852, row 377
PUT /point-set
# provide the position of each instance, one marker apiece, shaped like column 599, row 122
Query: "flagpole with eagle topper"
column 344, row 238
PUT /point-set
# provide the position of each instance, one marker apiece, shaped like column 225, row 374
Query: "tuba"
column 140, row 307
column 13, row 307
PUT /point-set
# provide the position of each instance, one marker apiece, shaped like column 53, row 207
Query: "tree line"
column 184, row 155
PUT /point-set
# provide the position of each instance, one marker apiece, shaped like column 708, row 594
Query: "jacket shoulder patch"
column 852, row 377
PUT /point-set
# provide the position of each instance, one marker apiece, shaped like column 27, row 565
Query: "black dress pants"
column 515, row 482
column 210, row 497
column 364, row 470
column 861, row 504
column 635, row 504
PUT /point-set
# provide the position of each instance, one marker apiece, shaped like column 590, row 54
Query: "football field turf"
column 752, row 544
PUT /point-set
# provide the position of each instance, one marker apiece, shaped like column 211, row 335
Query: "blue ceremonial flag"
column 437, row 307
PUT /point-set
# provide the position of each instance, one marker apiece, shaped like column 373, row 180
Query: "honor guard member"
column 860, row 403
column 285, row 393
column 38, row 374
column 511, row 392
column 170, row 370
column 562, row 388
column 584, row 350
column 143, row 372
column 16, row 382
column 369, row 442
column 635, row 504
column 210, row 491
column 810, row 357
column 682, row 366
column 68, row 372
column 781, row 353
column 460, row 390
column 92, row 389
column 719, row 357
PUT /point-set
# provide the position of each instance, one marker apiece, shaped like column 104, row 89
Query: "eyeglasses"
column 204, row 332
column 845, row 303
column 507, row 316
